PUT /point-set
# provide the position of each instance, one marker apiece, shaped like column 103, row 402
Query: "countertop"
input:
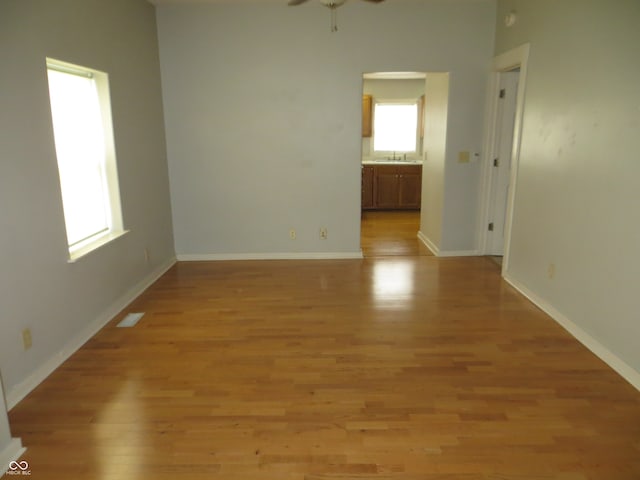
column 391, row 162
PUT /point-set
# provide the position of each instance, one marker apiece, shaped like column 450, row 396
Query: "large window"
column 395, row 127
column 81, row 114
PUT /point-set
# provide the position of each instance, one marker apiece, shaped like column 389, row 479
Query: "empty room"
column 320, row 239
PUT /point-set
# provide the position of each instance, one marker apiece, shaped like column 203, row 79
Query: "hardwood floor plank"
column 391, row 233
column 393, row 367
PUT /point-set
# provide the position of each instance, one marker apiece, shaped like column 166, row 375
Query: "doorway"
column 502, row 151
column 392, row 154
column 501, row 161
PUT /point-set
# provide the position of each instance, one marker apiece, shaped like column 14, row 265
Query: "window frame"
column 396, row 101
column 109, row 170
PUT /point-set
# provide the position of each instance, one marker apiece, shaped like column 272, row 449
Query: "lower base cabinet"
column 391, row 187
column 367, row 187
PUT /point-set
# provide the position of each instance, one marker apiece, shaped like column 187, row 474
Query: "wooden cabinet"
column 409, row 187
column 391, row 187
column 386, row 186
column 367, row 187
column 367, row 115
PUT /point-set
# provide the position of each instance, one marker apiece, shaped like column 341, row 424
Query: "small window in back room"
column 395, row 127
column 82, row 128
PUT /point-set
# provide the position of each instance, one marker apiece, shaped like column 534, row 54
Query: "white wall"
column 62, row 303
column 578, row 188
column 433, row 167
column 263, row 113
column 393, row 89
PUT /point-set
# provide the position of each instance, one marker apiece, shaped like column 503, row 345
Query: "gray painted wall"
column 263, row 112
column 38, row 288
column 578, row 187
column 5, row 432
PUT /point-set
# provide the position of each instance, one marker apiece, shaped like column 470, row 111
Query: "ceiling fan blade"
column 293, row 3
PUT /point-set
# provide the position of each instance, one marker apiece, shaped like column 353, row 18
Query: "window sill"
column 85, row 250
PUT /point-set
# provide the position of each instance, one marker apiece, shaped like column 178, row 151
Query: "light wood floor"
column 395, row 367
column 385, row 233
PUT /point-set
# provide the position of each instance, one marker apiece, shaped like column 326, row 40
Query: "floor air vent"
column 130, row 320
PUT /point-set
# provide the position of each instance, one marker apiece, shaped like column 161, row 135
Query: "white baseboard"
column 214, row 257
column 21, row 390
column 625, row 370
column 10, row 453
column 458, row 253
column 428, row 243
column 445, row 253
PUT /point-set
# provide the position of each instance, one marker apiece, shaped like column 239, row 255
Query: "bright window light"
column 395, row 127
column 86, row 160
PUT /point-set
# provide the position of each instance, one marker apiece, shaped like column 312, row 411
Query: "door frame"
column 502, row 149
column 510, row 60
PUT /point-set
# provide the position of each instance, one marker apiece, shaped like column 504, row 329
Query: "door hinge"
column 496, row 162
column 503, row 92
column 491, row 227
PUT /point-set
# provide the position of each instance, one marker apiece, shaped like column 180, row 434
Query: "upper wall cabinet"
column 367, row 108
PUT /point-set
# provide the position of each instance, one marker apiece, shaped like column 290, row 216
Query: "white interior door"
column 501, row 161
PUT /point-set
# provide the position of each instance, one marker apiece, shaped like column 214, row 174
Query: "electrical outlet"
column 551, row 270
column 26, row 338
column 292, row 234
column 324, row 233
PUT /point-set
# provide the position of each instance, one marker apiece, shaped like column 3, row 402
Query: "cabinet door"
column 386, row 187
column 367, row 187
column 367, row 106
column 409, row 187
